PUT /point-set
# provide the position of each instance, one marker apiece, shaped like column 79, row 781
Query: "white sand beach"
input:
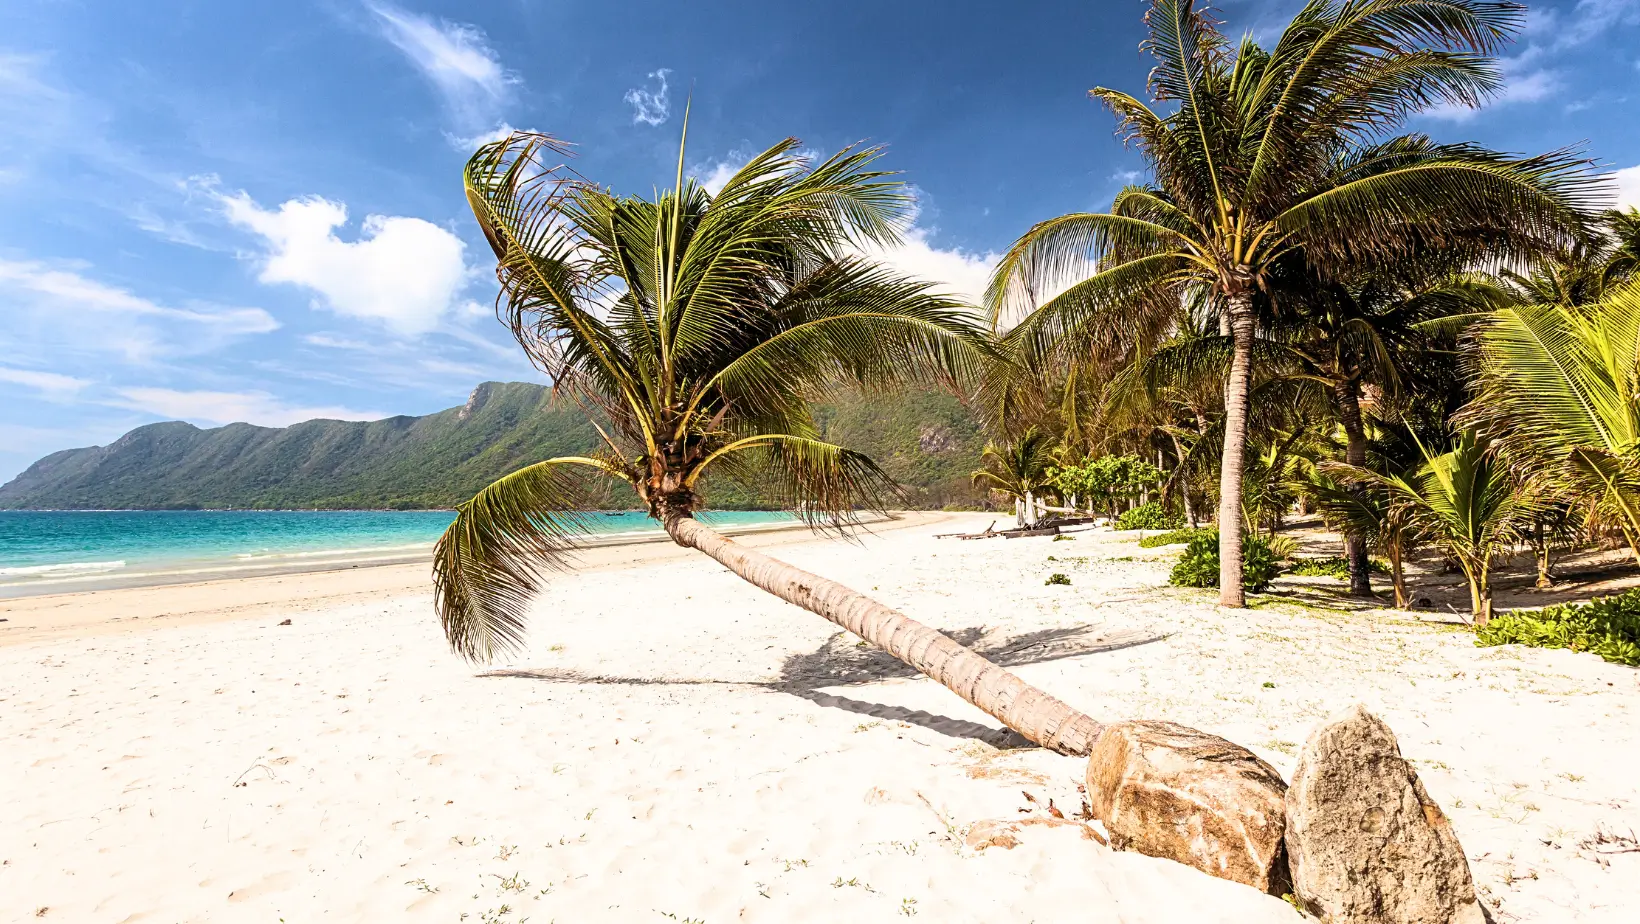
column 679, row 746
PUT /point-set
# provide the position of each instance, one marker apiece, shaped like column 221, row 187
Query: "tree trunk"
column 1236, row 390
column 1397, row 574
column 1184, row 482
column 1541, row 547
column 1038, row 717
column 1355, row 453
column 1030, row 510
column 1019, row 512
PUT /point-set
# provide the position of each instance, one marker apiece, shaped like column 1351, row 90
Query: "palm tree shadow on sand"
column 840, row 662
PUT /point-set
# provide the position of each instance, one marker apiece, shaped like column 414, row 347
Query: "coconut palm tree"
column 696, row 328
column 1256, row 154
column 1018, row 468
column 1466, row 502
column 1560, row 385
column 1349, row 336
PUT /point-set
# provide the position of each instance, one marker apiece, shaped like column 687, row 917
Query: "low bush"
column 1608, row 627
column 1177, row 537
column 1199, row 567
column 1150, row 516
column 1057, row 578
column 1336, row 567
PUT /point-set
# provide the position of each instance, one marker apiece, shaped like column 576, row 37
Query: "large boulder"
column 1366, row 843
column 1174, row 792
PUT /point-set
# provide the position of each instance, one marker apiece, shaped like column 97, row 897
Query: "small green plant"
column 1335, row 567
column 908, row 907
column 1150, row 516
column 1177, row 537
column 1064, row 538
column 1608, row 627
column 1199, row 566
column 1057, row 578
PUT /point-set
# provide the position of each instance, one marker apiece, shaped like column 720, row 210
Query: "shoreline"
column 190, row 599
column 320, row 561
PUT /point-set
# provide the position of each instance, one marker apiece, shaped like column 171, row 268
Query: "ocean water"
column 39, row 549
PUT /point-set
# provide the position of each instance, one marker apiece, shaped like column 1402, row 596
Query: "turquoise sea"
column 43, row 550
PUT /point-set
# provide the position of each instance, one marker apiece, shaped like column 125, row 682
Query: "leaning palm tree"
column 1018, row 468
column 696, row 328
column 1257, row 154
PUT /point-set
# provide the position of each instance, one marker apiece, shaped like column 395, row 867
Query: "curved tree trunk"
column 1355, row 453
column 1236, row 391
column 1041, row 718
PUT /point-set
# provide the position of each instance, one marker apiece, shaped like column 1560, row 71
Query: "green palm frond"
column 489, row 562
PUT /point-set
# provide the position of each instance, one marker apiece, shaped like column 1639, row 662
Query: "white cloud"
column 221, row 407
column 718, row 176
column 50, row 384
column 1628, row 187
column 955, row 272
column 403, row 272
column 651, row 107
column 58, row 308
column 455, row 57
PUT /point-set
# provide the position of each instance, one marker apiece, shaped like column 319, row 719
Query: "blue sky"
column 221, row 211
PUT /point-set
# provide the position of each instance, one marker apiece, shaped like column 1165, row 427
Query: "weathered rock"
column 1366, row 843
column 1174, row 792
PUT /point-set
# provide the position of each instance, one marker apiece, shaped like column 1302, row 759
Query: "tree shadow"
column 839, row 662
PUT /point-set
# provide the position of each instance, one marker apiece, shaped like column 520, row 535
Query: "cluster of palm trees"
column 1300, row 293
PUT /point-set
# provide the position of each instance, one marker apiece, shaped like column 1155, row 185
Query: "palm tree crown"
column 696, row 327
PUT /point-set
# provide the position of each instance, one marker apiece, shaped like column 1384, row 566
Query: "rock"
column 991, row 833
column 285, row 623
column 1366, row 843
column 1174, row 792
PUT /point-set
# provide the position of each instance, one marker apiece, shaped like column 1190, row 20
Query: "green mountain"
column 927, row 440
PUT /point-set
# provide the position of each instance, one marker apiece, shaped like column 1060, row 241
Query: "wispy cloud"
column 455, row 57
column 50, row 384
column 651, row 106
column 221, row 407
column 60, row 308
column 406, row 273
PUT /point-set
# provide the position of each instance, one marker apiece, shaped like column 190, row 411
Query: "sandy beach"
column 678, row 746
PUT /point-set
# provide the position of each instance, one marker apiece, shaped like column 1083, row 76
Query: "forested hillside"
column 925, row 439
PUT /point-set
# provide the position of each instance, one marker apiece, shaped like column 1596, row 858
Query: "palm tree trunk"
column 1355, row 453
column 1236, row 389
column 1037, row 716
column 1184, row 482
column 1397, row 574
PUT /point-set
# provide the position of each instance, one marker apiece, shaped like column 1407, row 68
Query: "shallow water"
column 45, row 547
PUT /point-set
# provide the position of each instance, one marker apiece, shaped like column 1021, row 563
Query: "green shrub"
column 1608, row 627
column 1199, row 567
column 1336, row 567
column 1057, row 578
column 1176, row 537
column 1063, row 538
column 1150, row 516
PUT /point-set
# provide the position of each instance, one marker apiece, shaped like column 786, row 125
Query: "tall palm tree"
column 696, row 328
column 1018, row 468
column 1256, row 154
